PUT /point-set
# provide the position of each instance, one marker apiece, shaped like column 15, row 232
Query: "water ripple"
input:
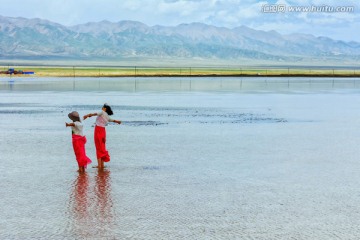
column 91, row 209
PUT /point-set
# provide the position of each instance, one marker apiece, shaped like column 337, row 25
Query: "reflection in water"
column 11, row 84
column 91, row 207
column 104, row 204
column 232, row 84
column 79, row 203
column 81, row 198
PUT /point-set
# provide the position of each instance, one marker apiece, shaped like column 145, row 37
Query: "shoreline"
column 186, row 75
column 118, row 72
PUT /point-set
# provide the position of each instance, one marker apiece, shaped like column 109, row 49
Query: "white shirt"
column 77, row 129
column 102, row 119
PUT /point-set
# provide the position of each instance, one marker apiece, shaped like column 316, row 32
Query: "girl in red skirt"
column 78, row 141
column 102, row 119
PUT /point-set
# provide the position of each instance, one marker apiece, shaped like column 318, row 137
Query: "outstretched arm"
column 70, row 124
column 117, row 121
column 89, row 115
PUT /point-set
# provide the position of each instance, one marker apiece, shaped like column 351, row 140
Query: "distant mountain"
column 22, row 38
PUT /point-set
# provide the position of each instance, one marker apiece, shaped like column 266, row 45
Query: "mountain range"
column 22, row 38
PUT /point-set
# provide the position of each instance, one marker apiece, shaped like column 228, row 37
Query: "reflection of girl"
column 81, row 195
column 78, row 141
column 80, row 215
column 102, row 119
column 103, row 195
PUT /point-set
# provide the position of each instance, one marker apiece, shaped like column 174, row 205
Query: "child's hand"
column 85, row 117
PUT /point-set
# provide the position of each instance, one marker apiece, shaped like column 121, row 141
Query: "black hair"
column 108, row 109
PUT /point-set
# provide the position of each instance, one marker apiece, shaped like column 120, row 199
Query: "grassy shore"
column 181, row 72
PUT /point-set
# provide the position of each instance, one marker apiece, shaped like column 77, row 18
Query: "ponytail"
column 108, row 109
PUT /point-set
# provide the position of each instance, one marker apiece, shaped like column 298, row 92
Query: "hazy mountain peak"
column 25, row 22
column 37, row 37
column 133, row 23
column 109, row 27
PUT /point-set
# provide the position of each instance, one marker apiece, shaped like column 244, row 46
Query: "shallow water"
column 197, row 84
column 260, row 164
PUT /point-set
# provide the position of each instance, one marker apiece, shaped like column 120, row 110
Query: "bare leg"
column 99, row 163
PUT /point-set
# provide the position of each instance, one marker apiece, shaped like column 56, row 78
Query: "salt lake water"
column 195, row 158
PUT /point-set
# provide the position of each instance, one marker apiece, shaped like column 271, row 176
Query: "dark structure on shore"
column 12, row 71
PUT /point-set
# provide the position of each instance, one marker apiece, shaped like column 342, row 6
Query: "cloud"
column 332, row 24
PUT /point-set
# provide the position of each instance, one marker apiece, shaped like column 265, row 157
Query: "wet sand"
column 184, row 165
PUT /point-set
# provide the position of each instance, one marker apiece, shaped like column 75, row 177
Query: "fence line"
column 144, row 71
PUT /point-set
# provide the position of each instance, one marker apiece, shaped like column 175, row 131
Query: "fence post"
column 74, row 78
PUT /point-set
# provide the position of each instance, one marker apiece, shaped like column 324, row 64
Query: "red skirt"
column 100, row 144
column 79, row 149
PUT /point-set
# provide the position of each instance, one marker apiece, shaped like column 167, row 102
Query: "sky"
column 339, row 20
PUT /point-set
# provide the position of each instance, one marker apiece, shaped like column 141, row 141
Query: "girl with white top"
column 78, row 141
column 102, row 119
